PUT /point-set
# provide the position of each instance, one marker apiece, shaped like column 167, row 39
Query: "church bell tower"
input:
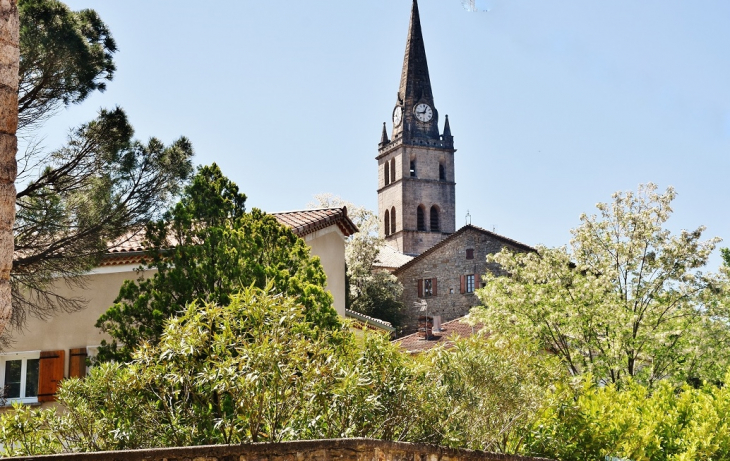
column 416, row 184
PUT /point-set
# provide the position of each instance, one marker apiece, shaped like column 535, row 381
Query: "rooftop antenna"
column 468, row 218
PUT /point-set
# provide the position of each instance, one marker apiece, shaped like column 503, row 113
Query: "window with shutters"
column 20, row 376
column 421, row 218
column 470, row 253
column 386, row 176
column 470, row 283
column 427, row 288
column 392, row 220
column 392, row 170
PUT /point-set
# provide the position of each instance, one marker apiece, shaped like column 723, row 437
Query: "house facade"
column 442, row 280
column 47, row 350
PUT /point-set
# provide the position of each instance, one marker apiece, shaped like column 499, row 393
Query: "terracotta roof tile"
column 303, row 222
column 449, row 332
column 128, row 248
column 389, row 258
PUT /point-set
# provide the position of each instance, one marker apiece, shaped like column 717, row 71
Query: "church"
column 439, row 266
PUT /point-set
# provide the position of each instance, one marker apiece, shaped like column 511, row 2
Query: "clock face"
column 397, row 115
column 423, row 112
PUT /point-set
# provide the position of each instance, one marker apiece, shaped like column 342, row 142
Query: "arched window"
column 420, row 218
column 413, row 168
column 442, row 172
column 392, row 171
column 434, row 219
column 392, row 220
column 386, row 176
column 386, row 221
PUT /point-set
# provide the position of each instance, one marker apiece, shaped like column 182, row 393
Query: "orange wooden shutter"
column 77, row 363
column 463, row 284
column 50, row 374
column 433, row 287
column 420, row 288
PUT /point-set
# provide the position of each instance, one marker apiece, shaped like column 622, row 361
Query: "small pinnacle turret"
column 384, row 137
column 448, row 139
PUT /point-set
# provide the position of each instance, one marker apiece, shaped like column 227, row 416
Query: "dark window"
column 421, row 219
column 413, row 168
column 427, row 288
column 470, row 253
column 442, row 173
column 392, row 170
column 392, row 220
column 386, row 221
column 434, row 219
column 470, row 283
column 386, row 176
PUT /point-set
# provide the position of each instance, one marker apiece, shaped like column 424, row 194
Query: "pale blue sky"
column 553, row 105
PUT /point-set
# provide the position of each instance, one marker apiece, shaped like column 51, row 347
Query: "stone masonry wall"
column 447, row 263
column 324, row 450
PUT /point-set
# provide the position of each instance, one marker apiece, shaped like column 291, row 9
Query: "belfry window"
column 392, row 173
column 386, row 223
column 420, row 218
column 392, row 220
column 413, row 168
column 442, row 172
column 435, row 219
column 386, row 176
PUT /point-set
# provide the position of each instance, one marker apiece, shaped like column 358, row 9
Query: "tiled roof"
column 366, row 319
column 448, row 239
column 303, row 222
column 129, row 248
column 449, row 332
column 389, row 258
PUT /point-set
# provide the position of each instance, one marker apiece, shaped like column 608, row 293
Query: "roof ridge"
column 459, row 232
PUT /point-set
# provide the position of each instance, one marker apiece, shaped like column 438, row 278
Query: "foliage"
column 592, row 422
column 251, row 371
column 246, row 372
column 102, row 185
column 65, row 56
column 626, row 301
column 207, row 248
column 485, row 390
column 370, row 291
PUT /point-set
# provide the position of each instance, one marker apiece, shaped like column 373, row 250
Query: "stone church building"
column 436, row 263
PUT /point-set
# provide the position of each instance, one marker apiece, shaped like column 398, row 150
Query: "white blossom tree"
column 370, row 291
column 627, row 299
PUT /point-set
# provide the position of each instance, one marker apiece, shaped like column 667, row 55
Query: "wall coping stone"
column 328, row 449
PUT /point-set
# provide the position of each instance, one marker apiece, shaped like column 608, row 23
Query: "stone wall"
column 325, row 450
column 446, row 263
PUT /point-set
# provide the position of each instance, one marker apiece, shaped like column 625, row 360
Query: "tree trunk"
column 9, row 64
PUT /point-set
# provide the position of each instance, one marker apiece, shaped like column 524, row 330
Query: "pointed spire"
column 384, row 137
column 415, row 83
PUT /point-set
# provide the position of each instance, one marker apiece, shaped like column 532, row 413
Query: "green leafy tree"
column 488, row 389
column 64, row 57
column 589, row 422
column 207, row 248
column 101, row 185
column 628, row 300
column 244, row 372
column 370, row 291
